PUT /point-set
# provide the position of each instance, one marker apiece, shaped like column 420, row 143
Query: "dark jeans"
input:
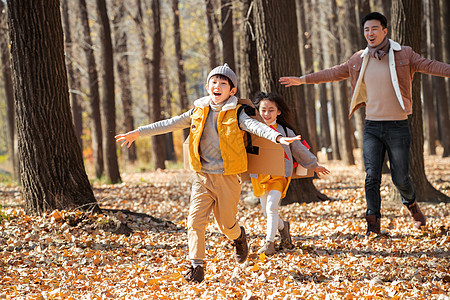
column 395, row 138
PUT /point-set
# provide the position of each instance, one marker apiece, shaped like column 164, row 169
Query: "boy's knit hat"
column 225, row 71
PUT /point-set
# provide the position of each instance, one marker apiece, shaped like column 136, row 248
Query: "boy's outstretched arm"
column 128, row 137
column 320, row 170
column 290, row 81
column 287, row 140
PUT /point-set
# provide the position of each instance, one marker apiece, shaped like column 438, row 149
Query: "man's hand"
column 290, row 81
column 128, row 138
column 287, row 140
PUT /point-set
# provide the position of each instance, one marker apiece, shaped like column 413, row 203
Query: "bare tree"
column 210, row 28
column 158, row 144
column 439, row 86
column 94, row 95
column 123, row 71
column 9, row 93
column 248, row 75
column 180, row 61
column 273, row 22
column 108, row 102
column 306, row 55
column 52, row 170
column 74, row 84
column 227, row 32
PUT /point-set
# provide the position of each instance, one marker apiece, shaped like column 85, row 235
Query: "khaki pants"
column 217, row 193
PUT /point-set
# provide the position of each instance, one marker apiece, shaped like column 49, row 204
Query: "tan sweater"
column 382, row 103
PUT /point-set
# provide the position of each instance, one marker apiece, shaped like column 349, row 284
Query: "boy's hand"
column 290, row 81
column 128, row 138
column 321, row 171
column 287, row 140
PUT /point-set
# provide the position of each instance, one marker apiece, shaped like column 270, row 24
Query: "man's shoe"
column 196, row 274
column 268, row 248
column 373, row 224
column 417, row 215
column 286, row 240
column 241, row 247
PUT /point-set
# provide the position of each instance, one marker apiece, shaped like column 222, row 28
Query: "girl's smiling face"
column 269, row 111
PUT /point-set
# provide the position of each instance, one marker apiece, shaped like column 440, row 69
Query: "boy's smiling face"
column 219, row 89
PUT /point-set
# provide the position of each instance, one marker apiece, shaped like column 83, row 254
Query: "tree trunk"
column 406, row 30
column 52, row 170
column 249, row 77
column 108, row 96
column 226, row 33
column 341, row 90
column 306, row 56
column 210, row 27
column 439, row 82
column 429, row 112
column 273, row 21
column 123, row 71
column 74, row 84
column 364, row 9
column 325, row 132
column 94, row 95
column 180, row 62
column 9, row 92
column 158, row 144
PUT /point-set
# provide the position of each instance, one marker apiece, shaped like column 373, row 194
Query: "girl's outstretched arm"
column 320, row 170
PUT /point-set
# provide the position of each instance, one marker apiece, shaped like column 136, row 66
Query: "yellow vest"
column 231, row 139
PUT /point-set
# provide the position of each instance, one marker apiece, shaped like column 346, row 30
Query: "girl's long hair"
column 284, row 118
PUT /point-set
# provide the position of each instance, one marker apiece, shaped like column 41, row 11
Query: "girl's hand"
column 128, row 138
column 288, row 140
column 321, row 171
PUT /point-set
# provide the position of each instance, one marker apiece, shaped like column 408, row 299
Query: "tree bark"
column 108, row 96
column 406, row 30
column 180, row 62
column 210, row 28
column 439, row 86
column 52, row 170
column 94, row 95
column 227, row 33
column 158, row 144
column 429, row 112
column 273, row 21
column 74, row 84
column 341, row 91
column 123, row 71
column 306, row 57
column 9, row 93
column 249, row 77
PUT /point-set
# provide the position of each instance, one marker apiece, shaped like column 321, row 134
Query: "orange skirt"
column 266, row 183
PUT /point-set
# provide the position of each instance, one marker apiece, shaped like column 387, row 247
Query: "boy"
column 217, row 155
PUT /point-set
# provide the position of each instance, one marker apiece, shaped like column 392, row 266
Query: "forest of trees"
column 135, row 62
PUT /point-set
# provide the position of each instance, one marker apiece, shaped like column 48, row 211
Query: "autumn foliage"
column 73, row 255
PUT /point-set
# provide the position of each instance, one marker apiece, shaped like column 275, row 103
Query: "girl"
column 269, row 188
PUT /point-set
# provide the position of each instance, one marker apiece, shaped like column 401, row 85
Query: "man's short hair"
column 374, row 16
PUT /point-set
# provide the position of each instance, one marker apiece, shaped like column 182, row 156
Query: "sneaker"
column 286, row 240
column 268, row 248
column 373, row 224
column 241, row 247
column 417, row 215
column 196, row 274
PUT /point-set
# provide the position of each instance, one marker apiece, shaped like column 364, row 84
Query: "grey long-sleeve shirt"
column 210, row 154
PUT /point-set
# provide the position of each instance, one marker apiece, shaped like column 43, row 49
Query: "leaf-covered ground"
column 70, row 255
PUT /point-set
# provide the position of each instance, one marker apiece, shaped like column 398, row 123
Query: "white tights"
column 269, row 204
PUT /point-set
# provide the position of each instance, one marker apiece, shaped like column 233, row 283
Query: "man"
column 381, row 79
